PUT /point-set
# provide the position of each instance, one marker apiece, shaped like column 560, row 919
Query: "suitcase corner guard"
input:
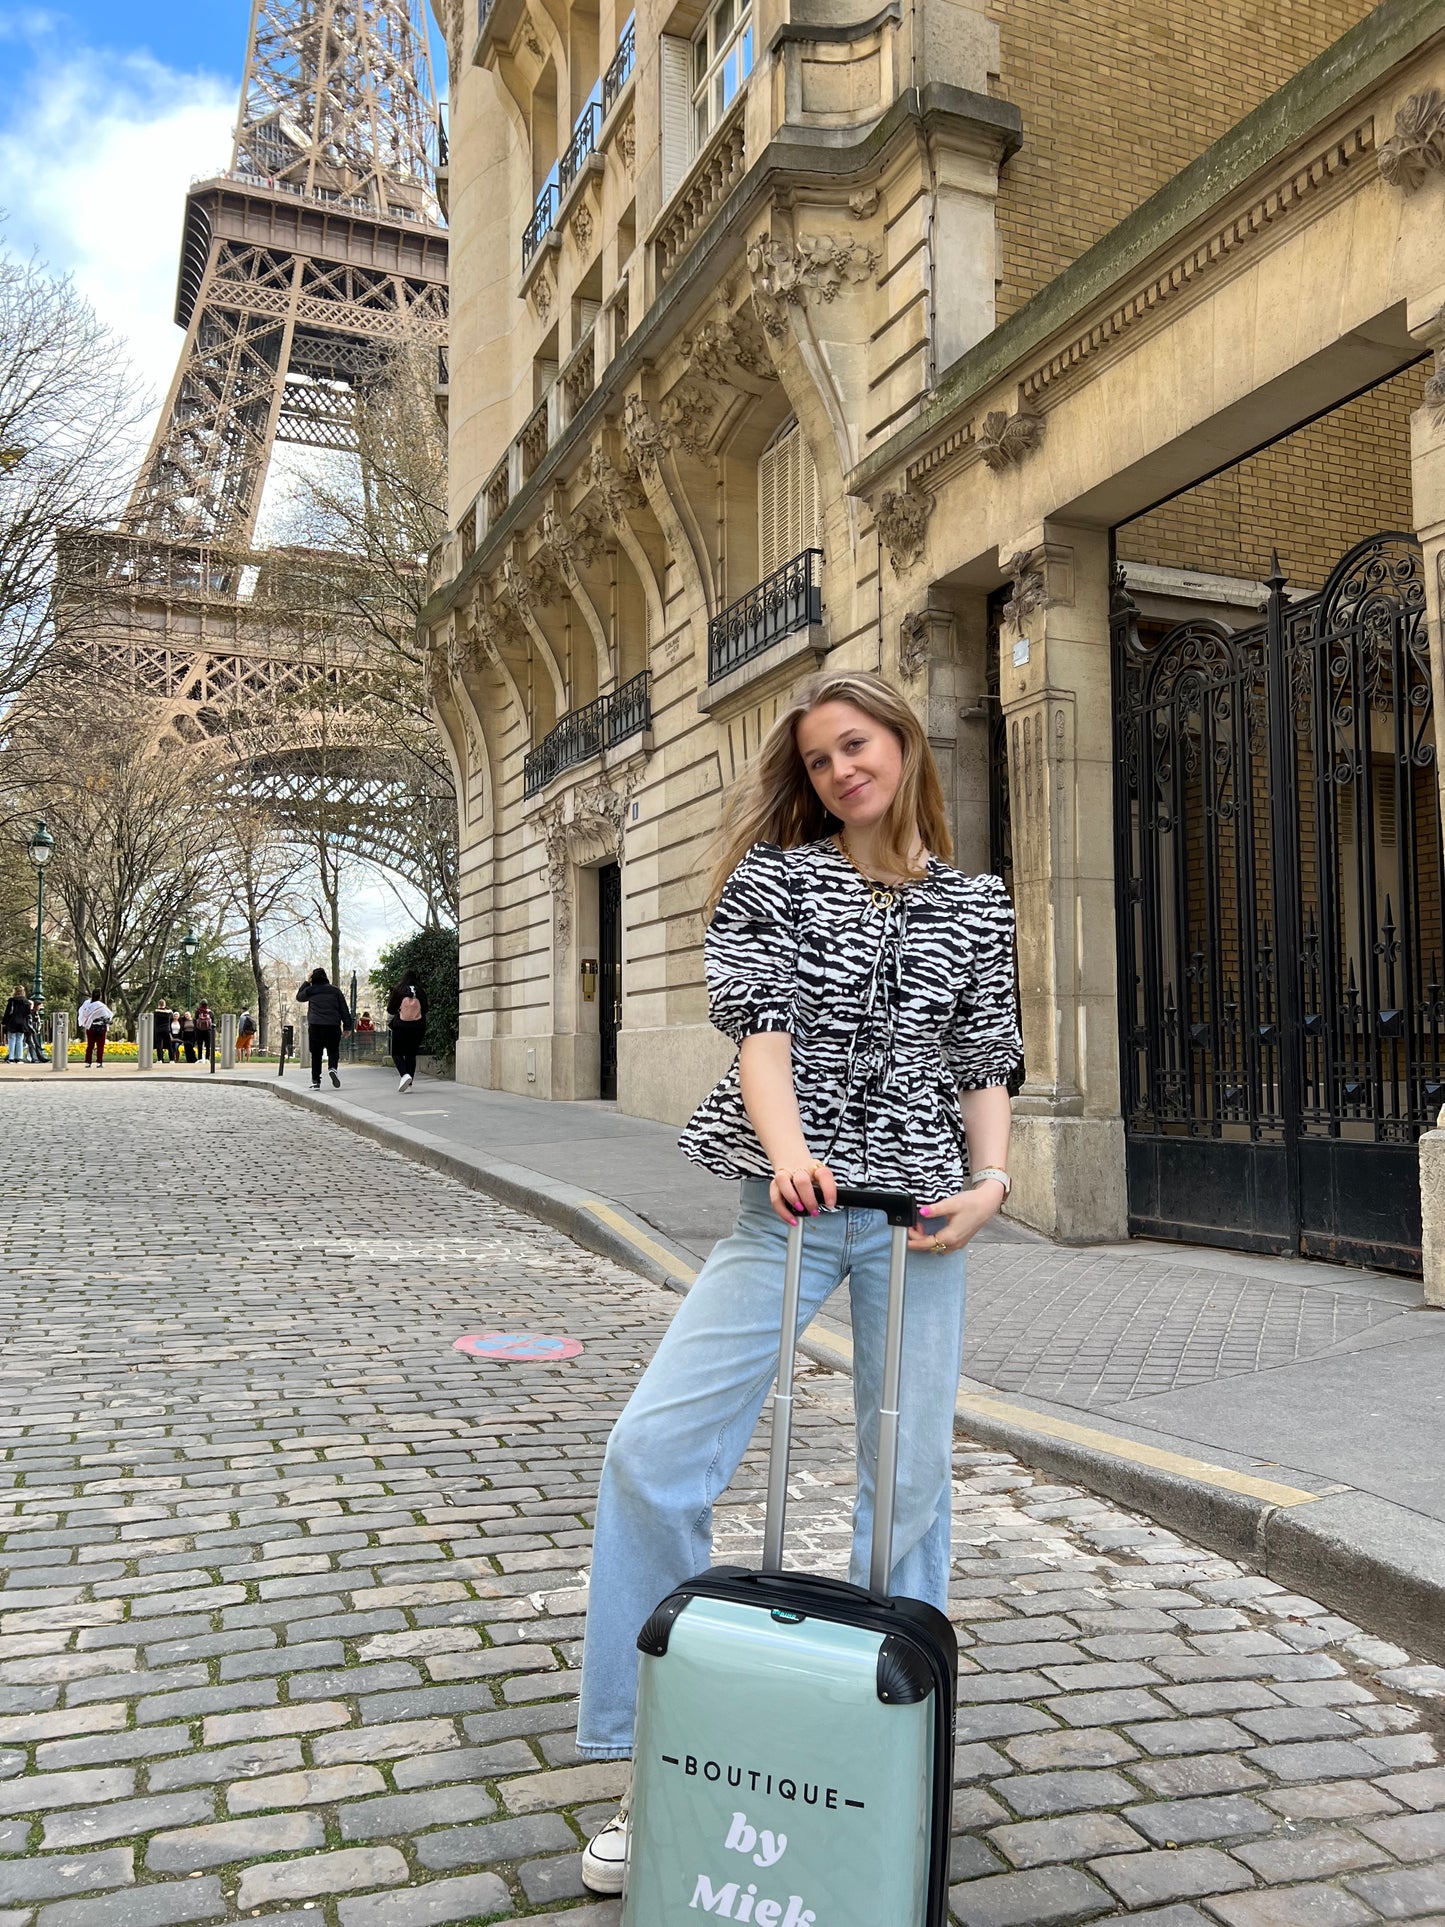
column 904, row 1675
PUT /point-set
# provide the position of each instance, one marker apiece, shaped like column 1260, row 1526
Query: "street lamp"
column 190, row 944
column 39, row 847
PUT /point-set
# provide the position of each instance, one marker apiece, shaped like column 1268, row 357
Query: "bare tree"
column 362, row 533
column 69, row 412
column 263, row 871
column 135, row 826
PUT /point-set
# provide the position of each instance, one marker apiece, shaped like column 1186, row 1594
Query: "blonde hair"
column 774, row 800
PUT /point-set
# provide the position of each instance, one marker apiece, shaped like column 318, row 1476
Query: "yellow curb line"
column 659, row 1254
column 825, row 1339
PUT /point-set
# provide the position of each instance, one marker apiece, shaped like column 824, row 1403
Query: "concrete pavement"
column 291, row 1591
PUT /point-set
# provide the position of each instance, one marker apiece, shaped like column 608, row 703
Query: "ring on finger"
column 938, row 1244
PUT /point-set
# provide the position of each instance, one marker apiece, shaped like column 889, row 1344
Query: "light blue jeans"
column 15, row 1046
column 682, row 1436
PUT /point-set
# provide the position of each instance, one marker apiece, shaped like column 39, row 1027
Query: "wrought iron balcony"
column 544, row 217
column 618, row 74
column 788, row 600
column 582, row 143
column 586, row 732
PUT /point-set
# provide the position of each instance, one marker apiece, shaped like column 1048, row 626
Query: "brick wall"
column 1311, row 496
column 1118, row 96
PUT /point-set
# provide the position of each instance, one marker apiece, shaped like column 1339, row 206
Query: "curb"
column 1376, row 1562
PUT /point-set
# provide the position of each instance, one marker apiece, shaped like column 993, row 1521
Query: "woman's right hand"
column 800, row 1190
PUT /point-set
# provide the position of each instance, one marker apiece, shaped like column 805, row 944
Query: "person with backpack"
column 245, row 1034
column 205, row 1031
column 406, row 1017
column 329, row 1015
column 94, row 1019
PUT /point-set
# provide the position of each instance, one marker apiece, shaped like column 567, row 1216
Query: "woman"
column 245, row 1035
column 406, row 1019
column 17, row 1018
column 329, row 1015
column 870, row 989
column 205, row 1029
column 188, row 1035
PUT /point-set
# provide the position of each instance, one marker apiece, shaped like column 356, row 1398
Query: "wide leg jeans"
column 679, row 1441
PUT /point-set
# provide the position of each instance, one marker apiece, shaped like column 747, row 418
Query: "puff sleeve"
column 982, row 1045
column 751, row 948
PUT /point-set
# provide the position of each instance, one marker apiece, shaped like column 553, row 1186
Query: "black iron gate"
column 609, row 971
column 1279, row 872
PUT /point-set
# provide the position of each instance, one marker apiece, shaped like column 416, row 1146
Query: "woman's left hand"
column 952, row 1222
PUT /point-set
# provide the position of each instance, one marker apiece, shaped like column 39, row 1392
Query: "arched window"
column 788, row 507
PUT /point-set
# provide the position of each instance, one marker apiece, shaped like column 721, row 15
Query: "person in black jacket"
column 406, row 1019
column 330, row 1016
column 17, row 1019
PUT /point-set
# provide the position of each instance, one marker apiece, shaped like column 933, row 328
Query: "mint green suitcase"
column 794, row 1756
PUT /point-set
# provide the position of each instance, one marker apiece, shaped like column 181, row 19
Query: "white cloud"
column 96, row 154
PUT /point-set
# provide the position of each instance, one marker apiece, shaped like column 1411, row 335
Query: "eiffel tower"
column 318, row 247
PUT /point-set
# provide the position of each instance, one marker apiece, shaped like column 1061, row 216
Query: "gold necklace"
column 881, row 894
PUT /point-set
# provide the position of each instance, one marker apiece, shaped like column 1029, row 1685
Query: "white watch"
column 992, row 1171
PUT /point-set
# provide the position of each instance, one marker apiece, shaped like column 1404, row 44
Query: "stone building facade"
column 791, row 334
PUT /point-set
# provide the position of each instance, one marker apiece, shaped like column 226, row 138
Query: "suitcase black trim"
column 920, row 1651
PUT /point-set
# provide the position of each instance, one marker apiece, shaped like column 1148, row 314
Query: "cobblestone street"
column 293, row 1591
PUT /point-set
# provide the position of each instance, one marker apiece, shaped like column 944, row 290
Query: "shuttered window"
column 677, row 143
column 788, row 508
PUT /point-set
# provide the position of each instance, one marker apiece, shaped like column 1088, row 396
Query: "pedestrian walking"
column 869, row 986
column 18, row 1008
column 95, row 1017
column 245, row 1034
column 329, row 1016
column 205, row 1030
column 406, row 1020
column 188, row 1035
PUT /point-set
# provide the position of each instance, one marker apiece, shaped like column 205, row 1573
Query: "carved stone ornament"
column 542, row 296
column 531, row 37
column 559, row 867
column 1030, row 589
column 686, row 413
column 725, row 342
column 627, row 144
column 1432, row 396
column 1418, row 147
column 1005, row 439
column 581, row 826
column 575, row 540
column 617, row 493
column 863, row 202
column 582, row 226
column 913, row 644
column 902, row 518
column 811, row 268
column 648, row 440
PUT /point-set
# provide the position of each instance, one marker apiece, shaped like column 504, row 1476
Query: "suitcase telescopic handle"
column 901, row 1212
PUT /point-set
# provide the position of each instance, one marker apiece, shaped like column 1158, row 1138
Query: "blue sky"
column 187, row 36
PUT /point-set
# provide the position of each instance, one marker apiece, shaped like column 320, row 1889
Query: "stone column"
column 145, row 1041
column 1427, row 477
column 228, row 1041
column 59, row 1041
column 1068, row 1150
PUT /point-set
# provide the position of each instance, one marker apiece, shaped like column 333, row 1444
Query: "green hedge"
column 429, row 958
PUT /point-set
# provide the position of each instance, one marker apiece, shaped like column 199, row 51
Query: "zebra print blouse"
column 893, row 1008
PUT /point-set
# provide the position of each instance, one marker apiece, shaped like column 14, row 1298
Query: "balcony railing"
column 544, row 217
column 618, row 74
column 582, row 143
column 786, row 601
column 586, row 732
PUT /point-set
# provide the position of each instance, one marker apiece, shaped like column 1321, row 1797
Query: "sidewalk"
column 1285, row 1412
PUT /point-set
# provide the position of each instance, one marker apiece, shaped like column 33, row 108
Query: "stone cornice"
column 792, row 158
column 1133, row 265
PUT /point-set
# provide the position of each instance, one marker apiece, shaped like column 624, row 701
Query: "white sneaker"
column 604, row 1858
column 336, row 1079
column 405, row 1084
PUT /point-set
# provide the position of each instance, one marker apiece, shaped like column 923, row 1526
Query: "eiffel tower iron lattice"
column 318, row 248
